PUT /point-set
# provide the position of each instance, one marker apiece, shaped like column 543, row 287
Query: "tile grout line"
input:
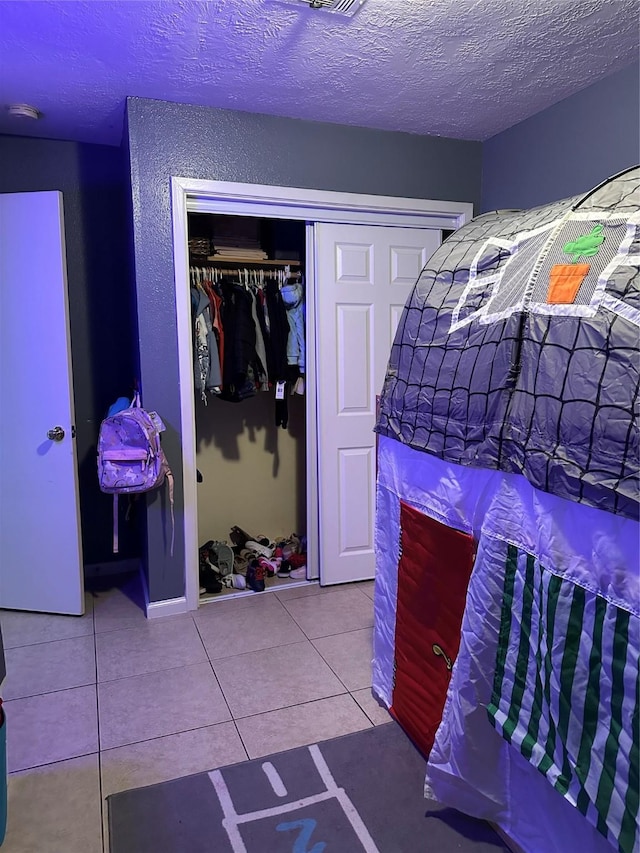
column 149, row 624
column 50, row 763
column 294, row 618
column 373, row 723
column 344, row 692
column 340, row 633
column 46, row 642
column 337, row 634
column 325, row 635
column 233, row 720
column 226, row 702
column 329, row 665
column 244, row 746
column 152, row 671
column 341, row 680
column 169, row 734
column 300, row 705
column 282, row 645
column 49, row 692
column 187, row 731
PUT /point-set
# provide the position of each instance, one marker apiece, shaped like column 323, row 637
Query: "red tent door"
column 433, row 575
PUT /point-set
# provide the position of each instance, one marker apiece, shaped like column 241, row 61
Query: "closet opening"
column 340, row 476
column 248, row 324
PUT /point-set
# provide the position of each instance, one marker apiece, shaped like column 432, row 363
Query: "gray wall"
column 566, row 149
column 172, row 139
column 94, row 183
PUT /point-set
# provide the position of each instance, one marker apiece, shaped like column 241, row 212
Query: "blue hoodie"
column 293, row 298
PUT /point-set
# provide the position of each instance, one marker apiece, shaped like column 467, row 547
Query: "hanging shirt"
column 261, row 352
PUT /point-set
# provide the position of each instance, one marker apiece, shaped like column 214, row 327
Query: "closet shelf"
column 251, row 262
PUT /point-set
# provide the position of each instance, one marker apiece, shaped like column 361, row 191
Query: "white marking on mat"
column 274, row 779
column 229, row 821
column 341, row 795
column 232, row 820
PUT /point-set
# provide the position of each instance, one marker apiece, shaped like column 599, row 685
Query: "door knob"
column 55, row 434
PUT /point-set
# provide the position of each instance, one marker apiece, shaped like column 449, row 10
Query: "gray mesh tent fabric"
column 504, row 359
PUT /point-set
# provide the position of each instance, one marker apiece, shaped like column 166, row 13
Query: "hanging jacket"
column 278, row 331
column 206, row 364
column 293, row 298
column 200, row 347
column 241, row 367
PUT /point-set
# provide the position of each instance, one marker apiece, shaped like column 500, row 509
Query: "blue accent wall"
column 94, row 183
column 167, row 139
column 566, row 149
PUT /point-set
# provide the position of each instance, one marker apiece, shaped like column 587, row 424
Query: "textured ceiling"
column 458, row 68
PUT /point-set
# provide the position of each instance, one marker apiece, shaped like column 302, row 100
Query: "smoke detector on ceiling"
column 338, row 7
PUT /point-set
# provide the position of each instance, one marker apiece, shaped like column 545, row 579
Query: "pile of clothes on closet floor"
column 250, row 561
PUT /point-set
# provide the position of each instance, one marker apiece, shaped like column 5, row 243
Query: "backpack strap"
column 115, row 523
column 169, row 478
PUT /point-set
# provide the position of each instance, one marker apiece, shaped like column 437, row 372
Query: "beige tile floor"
column 110, row 701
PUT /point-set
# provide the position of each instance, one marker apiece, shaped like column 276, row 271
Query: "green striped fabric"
column 565, row 693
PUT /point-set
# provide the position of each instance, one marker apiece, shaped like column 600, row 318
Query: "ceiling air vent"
column 338, row 7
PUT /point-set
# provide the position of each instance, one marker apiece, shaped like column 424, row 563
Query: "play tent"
column 507, row 590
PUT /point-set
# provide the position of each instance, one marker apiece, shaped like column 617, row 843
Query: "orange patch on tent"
column 564, row 283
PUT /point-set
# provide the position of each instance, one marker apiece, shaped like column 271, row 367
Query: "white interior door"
column 40, row 556
column 364, row 274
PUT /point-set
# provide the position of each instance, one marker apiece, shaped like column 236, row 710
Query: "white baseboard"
column 168, row 607
column 113, row 567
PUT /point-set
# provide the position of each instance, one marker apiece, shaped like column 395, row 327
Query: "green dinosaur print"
column 586, row 246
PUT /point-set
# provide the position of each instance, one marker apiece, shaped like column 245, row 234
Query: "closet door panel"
column 395, row 313
column 407, row 263
column 364, row 275
column 355, row 359
column 354, row 263
column 356, row 512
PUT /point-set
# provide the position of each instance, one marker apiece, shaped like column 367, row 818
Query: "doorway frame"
column 190, row 195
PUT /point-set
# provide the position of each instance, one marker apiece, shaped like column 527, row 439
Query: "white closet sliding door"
column 364, row 274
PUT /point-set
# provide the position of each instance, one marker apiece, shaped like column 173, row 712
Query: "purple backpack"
column 131, row 458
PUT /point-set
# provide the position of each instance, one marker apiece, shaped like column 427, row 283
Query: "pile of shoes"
column 216, row 568
column 292, row 553
column 259, row 557
column 253, row 557
column 250, row 561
